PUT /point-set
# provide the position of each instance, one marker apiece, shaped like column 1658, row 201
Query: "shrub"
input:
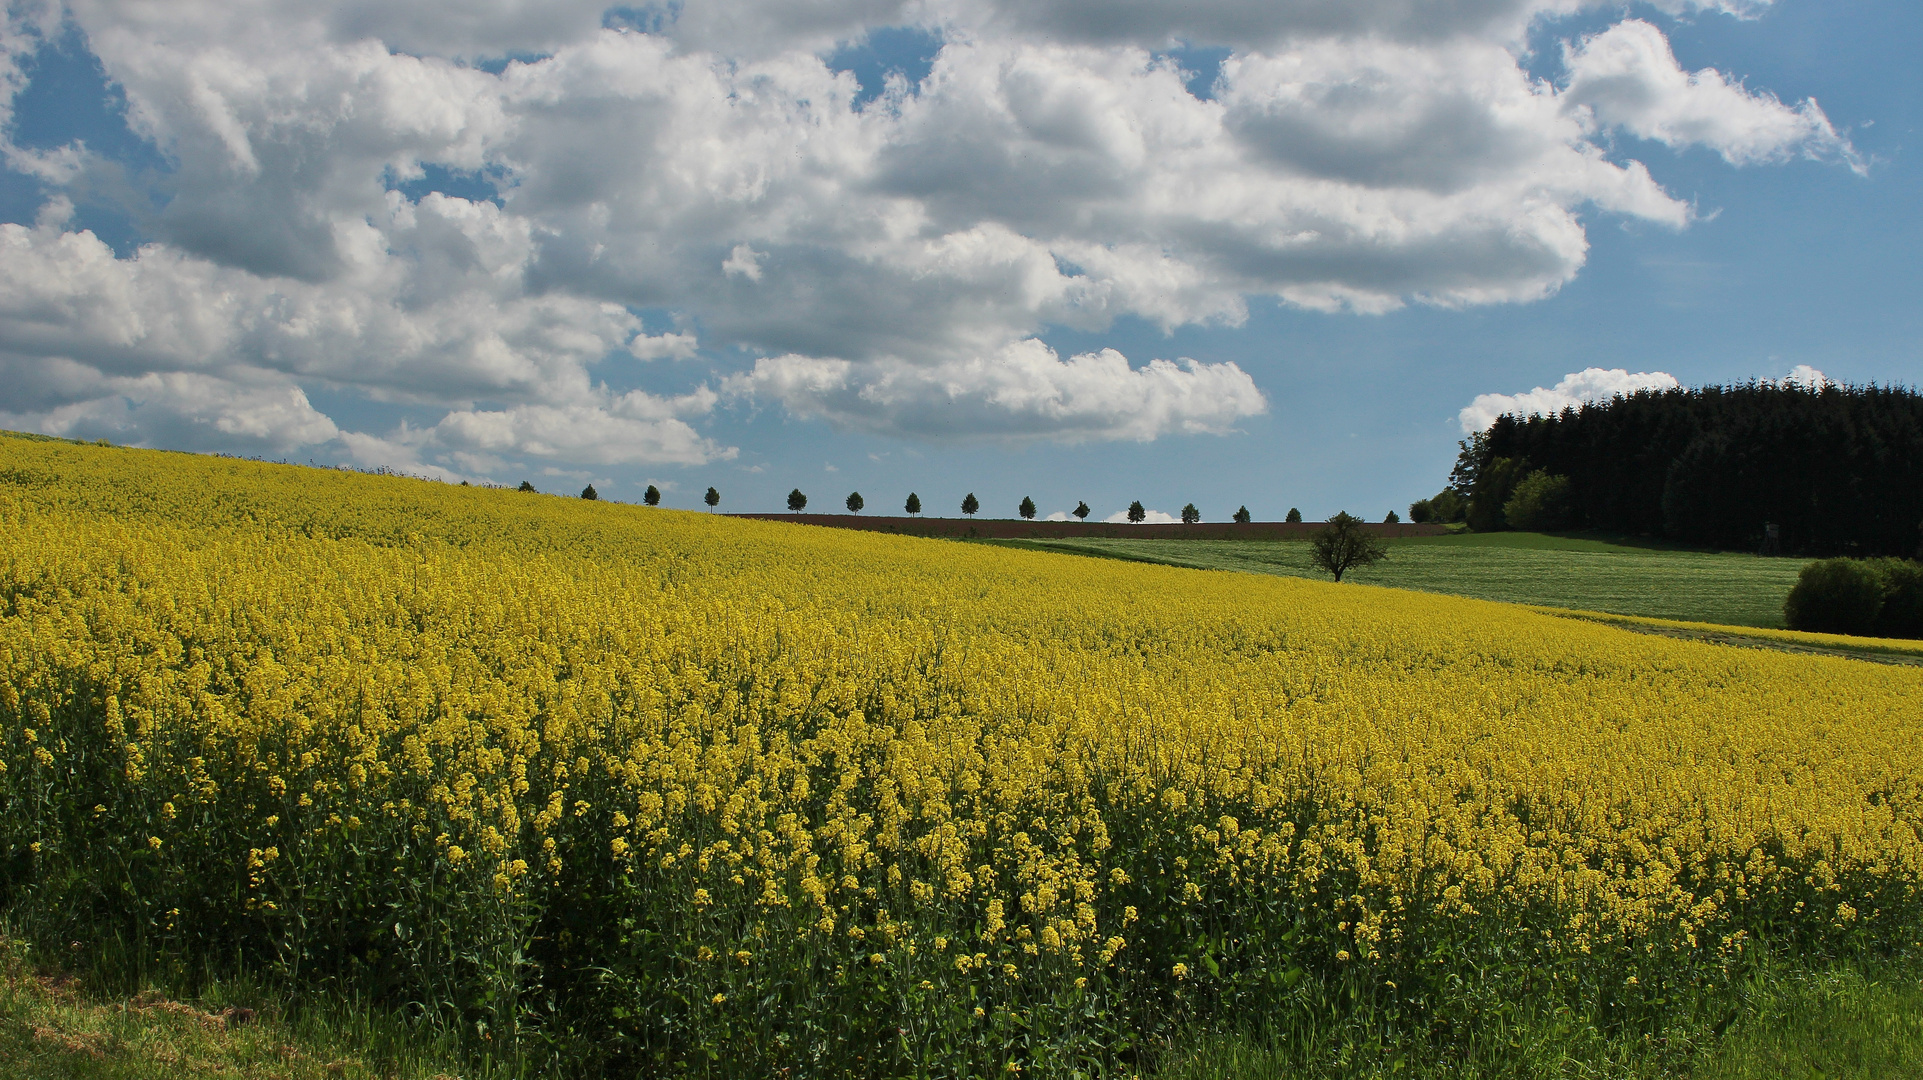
column 712, row 498
column 1902, row 611
column 797, row 502
column 1542, row 502
column 970, row 504
column 1835, row 596
column 1242, row 516
column 652, row 496
column 1081, row 510
column 1028, row 507
column 589, row 493
column 525, row 486
column 913, row 505
column 1295, row 516
column 1190, row 515
column 1136, row 512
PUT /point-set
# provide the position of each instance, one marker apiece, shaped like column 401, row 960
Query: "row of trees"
column 970, row 505
column 1817, row 469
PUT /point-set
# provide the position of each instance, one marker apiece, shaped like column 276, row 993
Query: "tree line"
column 1818, row 470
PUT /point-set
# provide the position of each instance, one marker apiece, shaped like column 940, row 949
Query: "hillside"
column 619, row 790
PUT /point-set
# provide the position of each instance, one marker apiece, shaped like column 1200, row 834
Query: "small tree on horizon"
column 590, row 494
column 525, row 486
column 1136, row 513
column 1081, row 510
column 796, row 501
column 652, row 496
column 913, row 505
column 1392, row 519
column 1027, row 508
column 1295, row 516
column 1190, row 515
column 712, row 498
column 1343, row 544
column 855, row 502
column 1242, row 516
column 971, row 504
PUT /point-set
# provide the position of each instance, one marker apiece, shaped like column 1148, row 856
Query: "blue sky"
column 681, row 252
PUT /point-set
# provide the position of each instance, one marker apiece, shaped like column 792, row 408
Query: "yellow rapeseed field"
column 711, row 793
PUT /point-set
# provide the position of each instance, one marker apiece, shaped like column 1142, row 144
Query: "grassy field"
column 1585, row 573
column 54, row 1026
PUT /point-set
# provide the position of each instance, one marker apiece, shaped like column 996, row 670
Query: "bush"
column 1190, row 515
column 1028, row 507
column 590, row 494
column 1295, row 516
column 525, row 486
column 1242, row 516
column 797, row 502
column 1902, row 611
column 1542, row 502
column 652, row 496
column 1836, row 596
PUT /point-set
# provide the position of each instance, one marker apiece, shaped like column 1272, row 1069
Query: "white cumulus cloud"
column 1627, row 77
column 1150, row 517
column 885, row 264
column 1589, row 384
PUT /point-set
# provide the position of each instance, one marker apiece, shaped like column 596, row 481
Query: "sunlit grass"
column 1584, row 573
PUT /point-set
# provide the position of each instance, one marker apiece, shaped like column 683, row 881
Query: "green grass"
column 54, row 1026
column 1841, row 1024
column 1583, row 572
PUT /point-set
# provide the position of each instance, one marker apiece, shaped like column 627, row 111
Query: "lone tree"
column 1295, row 516
column 1242, row 516
column 1081, row 510
column 1028, row 507
column 913, row 505
column 855, row 502
column 971, row 504
column 796, row 501
column 1344, row 544
column 652, row 496
column 589, row 493
column 1392, row 519
column 712, row 498
column 1190, row 515
column 1136, row 512
column 525, row 486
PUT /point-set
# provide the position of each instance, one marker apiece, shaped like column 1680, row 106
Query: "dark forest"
column 1838, row 469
